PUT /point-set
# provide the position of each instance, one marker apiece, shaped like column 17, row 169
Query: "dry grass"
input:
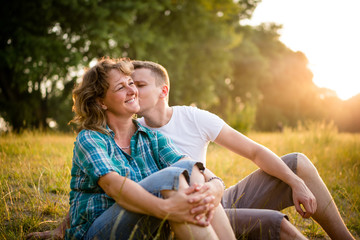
column 35, row 175
column 335, row 155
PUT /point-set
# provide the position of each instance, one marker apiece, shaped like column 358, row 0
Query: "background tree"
column 243, row 73
column 346, row 114
column 271, row 81
column 44, row 44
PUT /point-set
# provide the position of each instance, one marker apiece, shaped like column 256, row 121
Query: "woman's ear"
column 101, row 104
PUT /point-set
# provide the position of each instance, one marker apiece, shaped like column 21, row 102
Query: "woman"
column 122, row 183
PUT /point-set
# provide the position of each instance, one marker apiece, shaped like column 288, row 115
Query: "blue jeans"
column 119, row 223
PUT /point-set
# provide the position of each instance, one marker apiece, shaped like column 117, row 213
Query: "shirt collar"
column 111, row 132
column 139, row 127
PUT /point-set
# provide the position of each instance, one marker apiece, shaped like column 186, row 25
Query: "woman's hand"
column 181, row 205
column 213, row 192
column 56, row 234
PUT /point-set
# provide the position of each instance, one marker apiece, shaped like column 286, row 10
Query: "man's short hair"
column 158, row 71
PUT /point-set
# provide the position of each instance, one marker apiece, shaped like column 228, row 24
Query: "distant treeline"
column 243, row 73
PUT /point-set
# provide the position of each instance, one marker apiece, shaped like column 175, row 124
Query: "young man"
column 252, row 205
column 288, row 181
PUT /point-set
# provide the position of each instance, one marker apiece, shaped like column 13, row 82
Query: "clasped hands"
column 202, row 203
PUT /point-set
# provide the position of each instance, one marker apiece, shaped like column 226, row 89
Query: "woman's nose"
column 131, row 89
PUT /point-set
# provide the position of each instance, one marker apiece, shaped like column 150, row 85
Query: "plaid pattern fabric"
column 96, row 154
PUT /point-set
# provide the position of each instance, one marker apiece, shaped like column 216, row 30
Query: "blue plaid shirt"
column 96, row 154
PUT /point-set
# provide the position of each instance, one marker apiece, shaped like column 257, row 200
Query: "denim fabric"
column 118, row 223
column 96, row 154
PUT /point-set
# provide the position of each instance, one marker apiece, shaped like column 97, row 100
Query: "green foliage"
column 346, row 114
column 190, row 39
column 288, row 93
column 212, row 60
column 239, row 115
column 48, row 42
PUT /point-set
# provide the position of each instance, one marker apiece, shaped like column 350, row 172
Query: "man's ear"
column 164, row 91
column 101, row 103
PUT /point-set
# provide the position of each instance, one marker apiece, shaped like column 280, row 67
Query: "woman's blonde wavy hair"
column 94, row 85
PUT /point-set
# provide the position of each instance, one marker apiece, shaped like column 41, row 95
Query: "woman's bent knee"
column 183, row 184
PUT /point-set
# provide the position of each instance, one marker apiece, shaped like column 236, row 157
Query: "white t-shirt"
column 191, row 129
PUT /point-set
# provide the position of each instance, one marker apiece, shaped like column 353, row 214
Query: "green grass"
column 35, row 175
column 34, row 182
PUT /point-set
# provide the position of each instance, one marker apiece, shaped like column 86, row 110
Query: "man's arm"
column 270, row 163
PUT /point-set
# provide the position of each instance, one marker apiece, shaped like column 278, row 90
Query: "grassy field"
column 35, row 175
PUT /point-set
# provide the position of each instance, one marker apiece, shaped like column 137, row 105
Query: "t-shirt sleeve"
column 91, row 155
column 208, row 124
column 168, row 153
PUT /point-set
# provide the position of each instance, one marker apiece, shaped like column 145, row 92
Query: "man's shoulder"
column 187, row 109
column 192, row 111
column 199, row 117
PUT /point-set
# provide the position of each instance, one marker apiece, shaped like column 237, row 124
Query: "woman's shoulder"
column 87, row 135
column 88, row 132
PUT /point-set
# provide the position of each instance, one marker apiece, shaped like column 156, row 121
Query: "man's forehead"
column 143, row 74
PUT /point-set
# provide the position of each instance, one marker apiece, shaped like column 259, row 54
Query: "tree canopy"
column 245, row 74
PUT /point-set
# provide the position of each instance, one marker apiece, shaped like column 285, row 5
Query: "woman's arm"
column 133, row 197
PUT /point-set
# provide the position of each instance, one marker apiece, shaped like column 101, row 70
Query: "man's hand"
column 303, row 196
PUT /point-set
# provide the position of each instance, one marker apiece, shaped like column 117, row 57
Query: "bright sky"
column 327, row 31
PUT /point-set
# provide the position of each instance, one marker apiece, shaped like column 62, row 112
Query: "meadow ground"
column 35, row 175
